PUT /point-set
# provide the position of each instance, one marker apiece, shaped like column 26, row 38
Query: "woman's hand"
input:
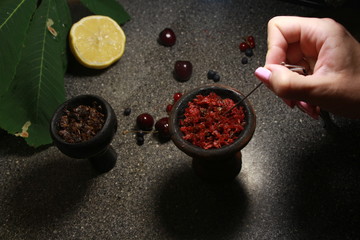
column 329, row 53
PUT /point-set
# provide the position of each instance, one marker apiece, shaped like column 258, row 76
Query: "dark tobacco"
column 208, row 123
column 81, row 123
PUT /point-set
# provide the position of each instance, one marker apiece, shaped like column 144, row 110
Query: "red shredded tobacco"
column 206, row 125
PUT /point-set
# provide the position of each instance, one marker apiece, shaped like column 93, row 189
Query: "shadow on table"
column 191, row 209
column 12, row 145
column 328, row 193
column 46, row 194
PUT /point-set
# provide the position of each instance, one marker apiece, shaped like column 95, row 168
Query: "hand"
column 329, row 53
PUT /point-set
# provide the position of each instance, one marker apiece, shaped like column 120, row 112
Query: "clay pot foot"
column 215, row 172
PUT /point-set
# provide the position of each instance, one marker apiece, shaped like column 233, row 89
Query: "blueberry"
column 140, row 140
column 244, row 60
column 211, row 74
column 127, row 111
column 249, row 52
column 140, row 134
column 216, row 78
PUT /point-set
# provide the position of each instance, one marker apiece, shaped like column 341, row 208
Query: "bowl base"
column 104, row 161
column 222, row 170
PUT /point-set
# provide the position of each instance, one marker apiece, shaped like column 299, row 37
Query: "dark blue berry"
column 216, row 78
column 244, row 60
column 249, row 52
column 140, row 134
column 127, row 111
column 140, row 140
column 211, row 74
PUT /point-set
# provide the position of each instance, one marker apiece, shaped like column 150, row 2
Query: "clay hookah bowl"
column 97, row 149
column 221, row 164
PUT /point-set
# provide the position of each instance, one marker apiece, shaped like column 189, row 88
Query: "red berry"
column 167, row 37
column 177, row 96
column 243, row 46
column 145, row 121
column 250, row 41
column 162, row 127
column 182, row 70
column 169, row 108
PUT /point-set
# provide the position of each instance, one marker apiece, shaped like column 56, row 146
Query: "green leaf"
column 110, row 8
column 64, row 22
column 38, row 86
column 14, row 21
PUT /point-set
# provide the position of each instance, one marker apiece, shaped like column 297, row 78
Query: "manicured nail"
column 309, row 109
column 263, row 74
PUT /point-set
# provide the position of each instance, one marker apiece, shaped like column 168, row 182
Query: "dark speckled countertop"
column 298, row 180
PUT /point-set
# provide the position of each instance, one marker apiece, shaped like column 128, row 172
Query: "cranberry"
column 145, row 121
column 182, row 70
column 250, row 41
column 162, row 127
column 167, row 37
column 169, row 108
column 243, row 46
column 177, row 96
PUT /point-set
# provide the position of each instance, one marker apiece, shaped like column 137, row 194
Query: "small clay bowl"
column 97, row 149
column 216, row 164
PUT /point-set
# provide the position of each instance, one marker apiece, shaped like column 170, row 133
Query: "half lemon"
column 97, row 41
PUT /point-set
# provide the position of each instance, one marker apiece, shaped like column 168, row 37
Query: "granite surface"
column 298, row 179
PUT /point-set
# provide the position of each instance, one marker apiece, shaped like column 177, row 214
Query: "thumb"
column 284, row 82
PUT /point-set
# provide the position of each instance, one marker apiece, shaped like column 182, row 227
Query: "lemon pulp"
column 97, row 41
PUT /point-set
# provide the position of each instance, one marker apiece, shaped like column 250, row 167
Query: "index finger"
column 291, row 39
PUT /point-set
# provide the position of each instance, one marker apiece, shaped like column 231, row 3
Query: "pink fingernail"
column 263, row 74
column 309, row 109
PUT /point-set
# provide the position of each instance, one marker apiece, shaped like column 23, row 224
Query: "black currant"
column 249, row 52
column 127, row 111
column 216, row 78
column 211, row 74
column 244, row 60
column 140, row 134
column 140, row 140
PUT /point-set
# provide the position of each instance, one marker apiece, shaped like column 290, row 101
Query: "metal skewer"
column 246, row 96
column 295, row 68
